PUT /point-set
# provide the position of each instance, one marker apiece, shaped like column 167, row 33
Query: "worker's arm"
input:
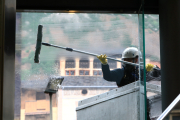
column 112, row 75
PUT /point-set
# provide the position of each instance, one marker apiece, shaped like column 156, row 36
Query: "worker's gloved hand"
column 102, row 58
column 149, row 67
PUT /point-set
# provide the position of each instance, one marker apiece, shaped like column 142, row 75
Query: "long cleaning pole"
column 87, row 53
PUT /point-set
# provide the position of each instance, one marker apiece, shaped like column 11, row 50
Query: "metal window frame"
column 84, row 72
column 98, row 71
column 7, row 56
column 70, row 72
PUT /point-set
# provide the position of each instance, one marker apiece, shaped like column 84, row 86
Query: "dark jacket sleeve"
column 115, row 75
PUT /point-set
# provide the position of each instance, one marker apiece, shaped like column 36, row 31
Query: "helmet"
column 130, row 52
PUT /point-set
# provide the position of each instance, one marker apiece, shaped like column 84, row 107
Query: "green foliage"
column 74, row 26
column 152, row 22
column 24, row 60
column 44, row 67
column 132, row 17
column 94, row 18
column 150, row 31
column 116, row 22
column 112, row 33
column 30, row 22
column 127, row 41
column 27, row 51
column 25, row 74
column 133, row 46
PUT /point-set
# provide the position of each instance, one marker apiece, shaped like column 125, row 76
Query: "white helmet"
column 130, row 52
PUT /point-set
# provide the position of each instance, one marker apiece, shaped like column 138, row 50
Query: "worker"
column 125, row 75
column 128, row 73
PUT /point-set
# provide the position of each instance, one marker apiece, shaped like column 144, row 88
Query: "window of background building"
column 84, row 64
column 97, row 72
column 70, row 72
column 84, row 72
column 96, row 63
column 70, row 64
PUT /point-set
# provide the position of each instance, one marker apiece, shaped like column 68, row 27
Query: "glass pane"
column 106, row 34
column 144, row 113
column 153, row 47
column 153, row 76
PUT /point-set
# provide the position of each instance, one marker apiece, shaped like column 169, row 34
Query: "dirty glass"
column 97, row 33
